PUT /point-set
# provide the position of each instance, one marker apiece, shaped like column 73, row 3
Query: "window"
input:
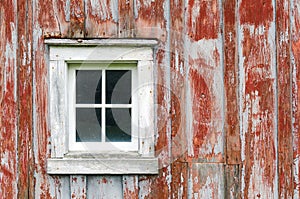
column 101, row 106
column 103, row 112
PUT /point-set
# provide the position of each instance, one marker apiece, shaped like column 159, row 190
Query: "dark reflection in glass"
column 118, row 125
column 88, row 125
column 88, row 86
column 118, row 86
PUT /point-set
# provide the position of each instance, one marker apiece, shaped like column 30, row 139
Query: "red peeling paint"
column 203, row 19
column 201, row 109
column 259, row 12
column 99, row 21
column 130, row 189
column 232, row 127
column 258, row 108
column 77, row 19
column 284, row 83
column 150, row 21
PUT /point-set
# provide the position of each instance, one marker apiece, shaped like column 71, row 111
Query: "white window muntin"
column 103, row 145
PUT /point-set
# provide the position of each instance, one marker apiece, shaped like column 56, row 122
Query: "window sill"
column 102, row 163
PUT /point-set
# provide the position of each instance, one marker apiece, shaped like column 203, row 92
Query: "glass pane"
column 88, row 125
column 88, row 86
column 118, row 86
column 118, row 125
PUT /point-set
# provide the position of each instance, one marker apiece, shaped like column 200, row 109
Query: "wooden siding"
column 227, row 96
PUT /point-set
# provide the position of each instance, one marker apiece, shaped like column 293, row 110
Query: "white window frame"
column 66, row 159
column 102, row 146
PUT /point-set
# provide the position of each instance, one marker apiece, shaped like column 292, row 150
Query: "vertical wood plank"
column 51, row 19
column 178, row 81
column 152, row 21
column 205, row 87
column 77, row 19
column 59, row 187
column 231, row 74
column 8, row 99
column 101, row 18
column 156, row 186
column 104, row 187
column 179, row 167
column 232, row 181
column 284, row 95
column 24, row 83
column 78, row 186
column 206, row 180
column 295, row 53
column 257, row 63
column 179, row 184
column 130, row 187
column 126, row 18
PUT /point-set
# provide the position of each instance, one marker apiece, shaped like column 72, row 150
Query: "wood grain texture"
column 151, row 19
column 77, row 19
column 227, row 92
column 205, row 87
column 24, row 83
column 8, row 100
column 206, row 180
column 130, row 186
column 102, row 187
column 284, row 96
column 231, row 80
column 78, row 186
column 126, row 23
column 257, row 64
column 295, row 53
column 102, row 18
column 233, row 181
column 51, row 19
column 178, row 82
column 179, row 184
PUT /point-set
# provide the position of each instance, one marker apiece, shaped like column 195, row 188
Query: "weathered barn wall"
column 227, row 93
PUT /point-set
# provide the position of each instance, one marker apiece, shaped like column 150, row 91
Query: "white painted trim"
column 100, row 53
column 111, row 165
column 102, row 42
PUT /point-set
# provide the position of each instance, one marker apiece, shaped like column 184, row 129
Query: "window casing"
column 71, row 156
